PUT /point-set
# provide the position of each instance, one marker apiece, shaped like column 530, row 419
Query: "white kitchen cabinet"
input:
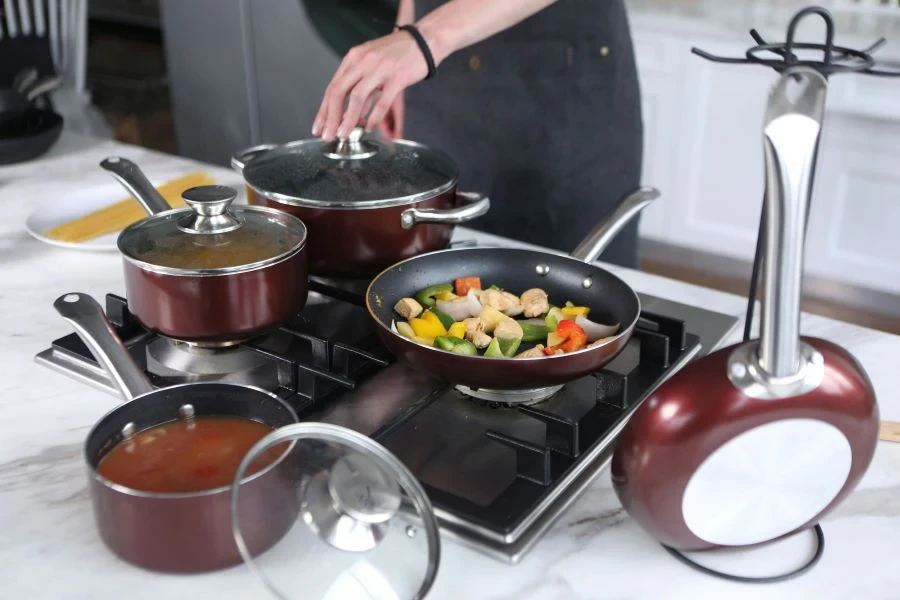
column 703, row 148
column 855, row 215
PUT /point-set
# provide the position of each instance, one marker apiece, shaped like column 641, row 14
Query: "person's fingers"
column 360, row 97
column 350, row 60
column 388, row 93
column 398, row 113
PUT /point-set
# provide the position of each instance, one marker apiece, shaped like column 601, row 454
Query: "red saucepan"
column 368, row 202
column 177, row 532
column 763, row 438
column 564, row 278
column 213, row 273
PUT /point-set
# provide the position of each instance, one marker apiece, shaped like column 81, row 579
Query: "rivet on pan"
column 542, row 270
column 186, row 411
column 587, row 282
column 128, row 430
column 410, row 531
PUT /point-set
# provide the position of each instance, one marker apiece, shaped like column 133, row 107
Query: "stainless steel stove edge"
column 513, row 546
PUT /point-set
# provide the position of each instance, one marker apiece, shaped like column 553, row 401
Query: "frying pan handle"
column 628, row 207
column 474, row 205
column 133, row 179
column 240, row 158
column 95, row 330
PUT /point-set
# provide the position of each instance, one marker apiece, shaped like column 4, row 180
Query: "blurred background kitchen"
column 202, row 78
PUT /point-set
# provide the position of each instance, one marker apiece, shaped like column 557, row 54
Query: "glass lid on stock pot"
column 358, row 525
column 363, row 171
column 212, row 235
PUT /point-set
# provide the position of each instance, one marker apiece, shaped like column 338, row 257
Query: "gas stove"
column 497, row 473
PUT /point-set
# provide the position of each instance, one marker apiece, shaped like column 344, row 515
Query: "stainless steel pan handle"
column 133, row 179
column 240, row 158
column 627, row 208
column 95, row 330
column 475, row 205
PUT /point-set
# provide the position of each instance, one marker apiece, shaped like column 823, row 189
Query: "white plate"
column 78, row 204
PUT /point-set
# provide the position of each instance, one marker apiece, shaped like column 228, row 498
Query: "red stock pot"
column 368, row 202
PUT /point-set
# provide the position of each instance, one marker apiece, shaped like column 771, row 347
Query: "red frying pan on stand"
column 564, row 278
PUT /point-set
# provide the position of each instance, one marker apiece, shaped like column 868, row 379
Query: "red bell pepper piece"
column 574, row 338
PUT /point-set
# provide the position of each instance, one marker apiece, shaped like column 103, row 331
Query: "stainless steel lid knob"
column 210, row 214
column 351, row 506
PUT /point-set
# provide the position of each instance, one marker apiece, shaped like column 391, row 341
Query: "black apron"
column 545, row 118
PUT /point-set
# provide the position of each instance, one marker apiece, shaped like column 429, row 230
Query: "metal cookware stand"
column 782, row 56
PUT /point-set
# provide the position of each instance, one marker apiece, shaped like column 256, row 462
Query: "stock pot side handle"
column 240, row 158
column 474, row 205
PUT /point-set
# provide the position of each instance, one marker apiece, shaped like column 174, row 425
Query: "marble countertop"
column 49, row 548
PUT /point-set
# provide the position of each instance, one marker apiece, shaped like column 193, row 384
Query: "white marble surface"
column 49, row 548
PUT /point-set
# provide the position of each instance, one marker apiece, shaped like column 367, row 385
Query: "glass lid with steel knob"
column 357, row 527
column 212, row 235
column 363, row 171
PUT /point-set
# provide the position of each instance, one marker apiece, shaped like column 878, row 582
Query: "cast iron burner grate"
column 307, row 367
column 498, row 476
column 834, row 59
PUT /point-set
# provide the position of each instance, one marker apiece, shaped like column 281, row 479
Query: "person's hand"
column 391, row 125
column 373, row 74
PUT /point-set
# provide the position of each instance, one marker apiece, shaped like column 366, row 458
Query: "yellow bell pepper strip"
column 431, row 317
column 446, row 296
column 457, row 330
column 404, row 329
column 574, row 311
column 445, row 319
column 427, row 328
column 426, row 296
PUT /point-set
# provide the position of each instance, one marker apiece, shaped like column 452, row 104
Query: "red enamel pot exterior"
column 658, row 453
column 358, row 242
column 218, row 308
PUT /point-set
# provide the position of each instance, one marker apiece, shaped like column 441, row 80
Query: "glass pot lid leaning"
column 364, row 527
column 363, row 171
column 212, row 236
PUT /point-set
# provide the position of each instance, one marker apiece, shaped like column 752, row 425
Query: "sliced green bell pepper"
column 426, row 296
column 493, row 350
column 509, row 346
column 455, row 344
column 533, row 333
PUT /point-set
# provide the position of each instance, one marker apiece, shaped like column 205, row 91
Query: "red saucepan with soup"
column 161, row 465
column 506, row 323
column 213, row 273
column 368, row 202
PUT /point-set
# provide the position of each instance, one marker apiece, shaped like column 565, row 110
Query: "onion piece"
column 458, row 309
column 595, row 331
column 474, row 303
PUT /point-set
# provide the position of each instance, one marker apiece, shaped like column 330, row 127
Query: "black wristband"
column 423, row 46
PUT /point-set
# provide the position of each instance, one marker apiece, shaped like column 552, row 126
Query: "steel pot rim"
column 216, row 271
column 125, row 490
column 349, row 205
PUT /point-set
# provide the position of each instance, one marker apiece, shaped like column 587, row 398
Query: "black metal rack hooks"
column 835, row 59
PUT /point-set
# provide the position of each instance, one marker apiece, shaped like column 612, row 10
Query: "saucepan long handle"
column 627, row 208
column 95, row 330
column 137, row 184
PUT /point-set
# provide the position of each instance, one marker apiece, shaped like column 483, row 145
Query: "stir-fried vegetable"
column 426, row 297
column 466, row 318
column 464, row 284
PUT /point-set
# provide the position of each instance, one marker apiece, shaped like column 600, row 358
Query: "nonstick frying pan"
column 564, row 278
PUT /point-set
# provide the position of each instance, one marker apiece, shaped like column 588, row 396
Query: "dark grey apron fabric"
column 545, row 118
